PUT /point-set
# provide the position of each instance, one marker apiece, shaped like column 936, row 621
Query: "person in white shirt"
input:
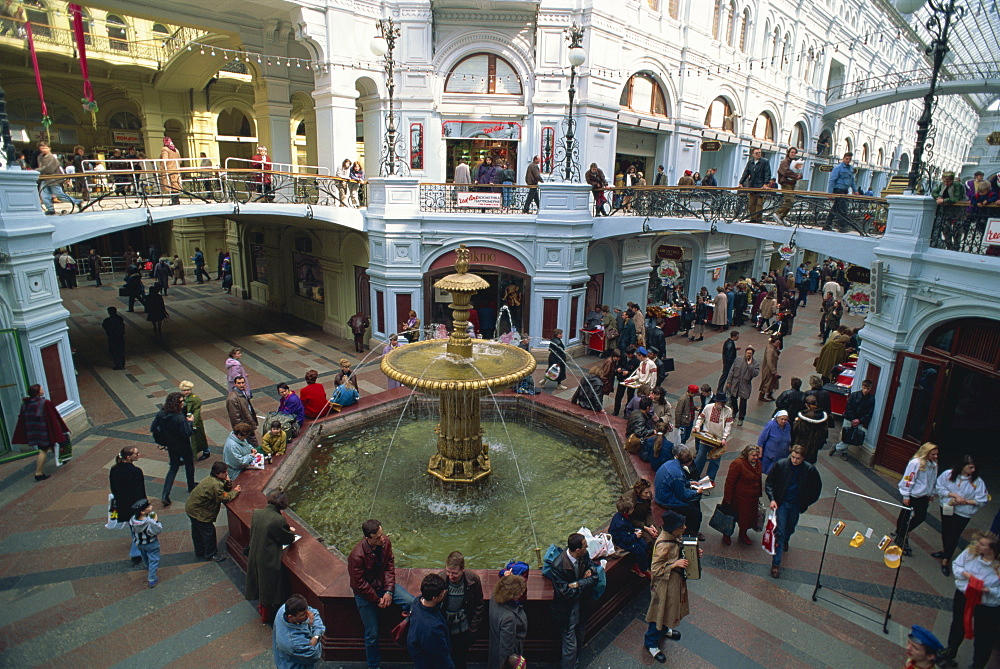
column 645, row 373
column 962, row 492
column 715, row 420
column 917, row 488
column 978, row 561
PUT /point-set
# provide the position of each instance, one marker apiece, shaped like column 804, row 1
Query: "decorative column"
column 29, row 289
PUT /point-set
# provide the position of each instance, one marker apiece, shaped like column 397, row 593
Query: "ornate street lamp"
column 382, row 45
column 569, row 150
column 938, row 25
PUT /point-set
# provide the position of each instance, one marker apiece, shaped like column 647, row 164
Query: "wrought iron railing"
column 846, row 213
column 962, row 227
column 473, row 198
column 109, row 190
column 918, row 77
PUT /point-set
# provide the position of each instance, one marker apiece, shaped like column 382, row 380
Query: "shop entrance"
column 496, row 308
column 940, row 394
column 475, row 150
column 722, row 161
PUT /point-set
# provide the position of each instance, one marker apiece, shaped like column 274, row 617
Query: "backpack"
column 552, row 554
column 156, row 429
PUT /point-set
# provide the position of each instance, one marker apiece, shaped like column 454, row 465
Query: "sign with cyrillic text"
column 479, row 200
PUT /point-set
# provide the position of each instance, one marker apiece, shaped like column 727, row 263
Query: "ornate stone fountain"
column 459, row 371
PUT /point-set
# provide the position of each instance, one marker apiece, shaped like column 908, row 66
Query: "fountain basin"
column 319, row 571
column 427, row 366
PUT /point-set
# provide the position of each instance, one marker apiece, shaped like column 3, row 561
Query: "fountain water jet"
column 459, row 371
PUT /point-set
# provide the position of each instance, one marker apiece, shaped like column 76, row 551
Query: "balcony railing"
column 157, row 50
column 846, row 213
column 473, row 198
column 110, row 190
column 962, row 227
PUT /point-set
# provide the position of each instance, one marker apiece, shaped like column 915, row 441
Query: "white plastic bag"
column 598, row 545
column 552, row 373
column 769, row 540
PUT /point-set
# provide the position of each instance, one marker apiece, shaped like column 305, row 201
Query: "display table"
column 593, row 340
column 671, row 325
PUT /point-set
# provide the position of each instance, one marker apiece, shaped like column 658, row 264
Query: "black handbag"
column 723, row 520
column 668, row 365
column 853, row 435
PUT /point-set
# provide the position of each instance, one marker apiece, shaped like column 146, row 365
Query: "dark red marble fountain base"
column 320, row 572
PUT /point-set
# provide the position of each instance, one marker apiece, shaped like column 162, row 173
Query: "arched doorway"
column 236, row 134
column 943, row 394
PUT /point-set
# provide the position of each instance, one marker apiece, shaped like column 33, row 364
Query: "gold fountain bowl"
column 428, row 367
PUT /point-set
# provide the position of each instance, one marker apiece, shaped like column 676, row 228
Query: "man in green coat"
column 269, row 534
column 203, row 507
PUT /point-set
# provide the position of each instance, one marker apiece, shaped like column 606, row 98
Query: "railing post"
column 910, row 222
column 564, row 200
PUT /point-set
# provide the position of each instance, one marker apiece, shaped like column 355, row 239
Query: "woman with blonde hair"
column 917, row 488
column 977, row 596
column 742, row 491
column 508, row 620
column 192, row 406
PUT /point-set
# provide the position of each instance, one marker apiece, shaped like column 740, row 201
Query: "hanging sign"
column 825, row 168
column 711, row 145
column 665, row 252
column 479, row 200
column 859, row 274
column 992, row 231
column 126, row 136
column 507, row 130
column 786, row 252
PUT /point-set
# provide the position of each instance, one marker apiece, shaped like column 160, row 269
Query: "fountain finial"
column 462, row 255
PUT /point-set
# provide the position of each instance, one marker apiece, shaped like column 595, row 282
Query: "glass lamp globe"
column 379, row 46
column 908, row 6
column 577, row 56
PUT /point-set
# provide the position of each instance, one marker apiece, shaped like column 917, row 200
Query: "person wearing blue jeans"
column 372, row 569
column 145, row 530
column 715, row 420
column 792, row 486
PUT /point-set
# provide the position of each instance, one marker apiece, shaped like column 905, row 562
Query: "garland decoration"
column 46, row 119
column 88, row 101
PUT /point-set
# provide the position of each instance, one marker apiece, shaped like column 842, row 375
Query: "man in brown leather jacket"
column 372, row 569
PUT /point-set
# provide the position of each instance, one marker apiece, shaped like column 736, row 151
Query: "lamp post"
column 382, row 45
column 938, row 25
column 577, row 57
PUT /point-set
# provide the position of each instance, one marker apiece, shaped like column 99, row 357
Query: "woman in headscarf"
column 588, row 393
column 40, row 425
column 170, row 179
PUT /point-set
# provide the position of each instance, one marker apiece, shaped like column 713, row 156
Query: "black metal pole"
column 390, row 33
column 937, row 24
column 570, row 130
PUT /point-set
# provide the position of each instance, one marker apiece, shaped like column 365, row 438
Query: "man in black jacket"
column 792, row 400
column 860, row 407
column 792, row 486
column 463, row 606
column 573, row 579
column 729, row 352
column 626, row 366
column 755, row 175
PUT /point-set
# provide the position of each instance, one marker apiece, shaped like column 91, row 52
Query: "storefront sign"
column 506, row 130
column 859, row 274
column 786, row 252
column 479, row 255
column 825, row 168
column 992, row 231
column 127, row 136
column 711, row 145
column 479, row 200
column 665, row 252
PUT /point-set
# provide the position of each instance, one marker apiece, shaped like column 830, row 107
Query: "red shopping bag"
column 768, row 542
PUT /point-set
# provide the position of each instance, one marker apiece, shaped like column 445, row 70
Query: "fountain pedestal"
column 459, row 371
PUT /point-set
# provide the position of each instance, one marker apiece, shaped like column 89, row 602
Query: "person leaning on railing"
column 841, row 183
column 948, row 192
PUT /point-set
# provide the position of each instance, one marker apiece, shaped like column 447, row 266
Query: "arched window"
column 124, row 120
column 643, row 94
column 37, row 14
column 763, row 41
column 717, row 19
column 733, row 20
column 674, row 7
column 721, row 116
column 798, row 137
column 483, row 74
column 763, row 128
column 847, row 146
column 117, row 32
column 774, row 45
column 824, row 143
column 744, row 28
column 881, row 158
column 864, row 153
column 784, row 52
column 88, row 25
column 160, row 29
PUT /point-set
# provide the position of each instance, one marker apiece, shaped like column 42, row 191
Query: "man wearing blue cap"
column 922, row 648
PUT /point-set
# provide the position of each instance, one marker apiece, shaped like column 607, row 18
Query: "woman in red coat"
column 40, row 425
column 313, row 396
column 743, row 490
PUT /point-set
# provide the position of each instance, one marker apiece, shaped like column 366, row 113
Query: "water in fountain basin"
column 568, row 484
